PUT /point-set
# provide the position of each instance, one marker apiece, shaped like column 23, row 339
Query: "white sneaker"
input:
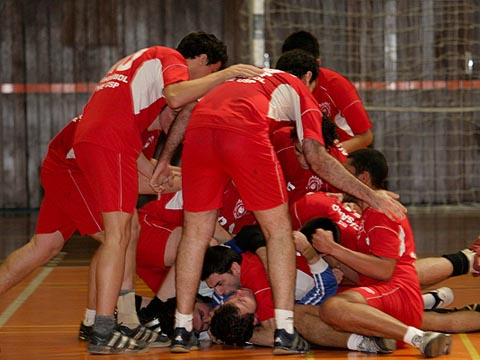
column 433, row 344
column 442, row 297
column 377, row 345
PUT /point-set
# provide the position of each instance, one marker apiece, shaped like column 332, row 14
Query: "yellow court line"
column 470, row 348
column 10, row 310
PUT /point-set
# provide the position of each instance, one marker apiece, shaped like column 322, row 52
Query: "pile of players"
column 274, row 162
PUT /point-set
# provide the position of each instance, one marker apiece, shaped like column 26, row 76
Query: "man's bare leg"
column 452, row 322
column 111, row 260
column 19, row 264
column 308, row 323
column 367, row 320
column 277, row 227
column 127, row 313
column 197, row 232
column 433, row 270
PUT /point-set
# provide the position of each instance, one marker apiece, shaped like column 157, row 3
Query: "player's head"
column 233, row 322
column 320, row 223
column 329, row 132
column 370, row 166
column 221, row 269
column 302, row 40
column 301, row 64
column 205, row 53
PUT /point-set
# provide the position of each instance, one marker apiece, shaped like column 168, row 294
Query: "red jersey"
column 233, row 215
column 339, row 100
column 129, row 98
column 256, row 106
column 254, row 277
column 299, row 180
column 383, row 237
column 319, row 204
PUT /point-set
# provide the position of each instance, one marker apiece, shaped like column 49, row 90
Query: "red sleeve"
column 254, row 277
column 384, row 235
column 174, row 67
column 348, row 102
column 311, row 122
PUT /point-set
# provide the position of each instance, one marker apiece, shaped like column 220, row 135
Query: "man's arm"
column 184, row 92
column 162, row 173
column 359, row 141
column 263, row 333
column 375, row 267
column 328, row 168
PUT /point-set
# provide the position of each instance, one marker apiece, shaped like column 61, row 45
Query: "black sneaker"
column 152, row 322
column 141, row 333
column 469, row 307
column 184, row 341
column 286, row 344
column 114, row 343
column 84, row 332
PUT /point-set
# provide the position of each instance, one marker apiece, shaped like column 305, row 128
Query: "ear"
column 307, row 77
column 365, row 178
column 255, row 319
column 236, row 269
column 203, row 59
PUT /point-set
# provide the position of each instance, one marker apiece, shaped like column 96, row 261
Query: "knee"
column 331, row 309
column 47, row 246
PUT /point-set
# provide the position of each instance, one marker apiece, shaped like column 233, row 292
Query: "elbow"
column 385, row 275
column 173, row 97
column 367, row 138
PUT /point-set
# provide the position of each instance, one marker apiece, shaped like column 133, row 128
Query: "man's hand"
column 385, row 202
column 162, row 176
column 323, row 242
column 241, row 70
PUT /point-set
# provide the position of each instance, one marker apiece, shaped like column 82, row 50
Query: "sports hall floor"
column 39, row 318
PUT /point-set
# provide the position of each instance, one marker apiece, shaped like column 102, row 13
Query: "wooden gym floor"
column 39, row 318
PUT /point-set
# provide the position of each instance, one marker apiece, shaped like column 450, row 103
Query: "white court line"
column 10, row 310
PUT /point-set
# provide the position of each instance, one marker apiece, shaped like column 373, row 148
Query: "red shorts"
column 151, row 250
column 68, row 204
column 395, row 301
column 211, row 157
column 112, row 176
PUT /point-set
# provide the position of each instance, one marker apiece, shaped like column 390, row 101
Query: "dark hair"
column 309, row 228
column 166, row 316
column 197, row 43
column 302, row 40
column 373, row 162
column 329, row 131
column 298, row 62
column 230, row 327
column 219, row 259
column 166, row 313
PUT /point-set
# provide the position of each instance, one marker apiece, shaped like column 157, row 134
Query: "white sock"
column 413, row 336
column 353, row 341
column 127, row 313
column 428, row 301
column 89, row 319
column 184, row 320
column 284, row 319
